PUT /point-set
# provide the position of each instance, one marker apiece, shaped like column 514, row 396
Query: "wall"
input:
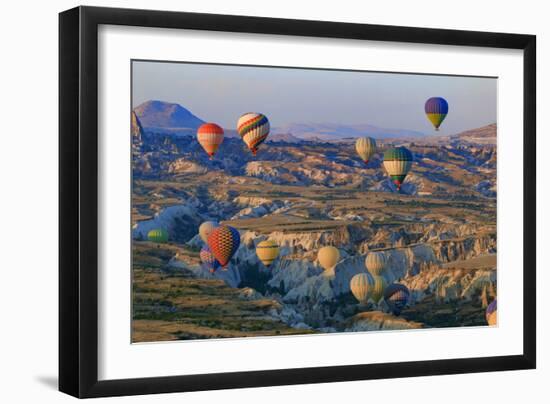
column 28, row 288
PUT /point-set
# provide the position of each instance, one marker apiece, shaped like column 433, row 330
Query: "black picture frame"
column 78, row 201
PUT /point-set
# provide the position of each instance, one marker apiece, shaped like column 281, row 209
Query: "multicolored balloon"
column 360, row 286
column 491, row 313
column 267, row 251
column 436, row 109
column 206, row 228
column 210, row 136
column 224, row 242
column 378, row 287
column 365, row 147
column 375, row 262
column 328, row 257
column 396, row 297
column 253, row 128
column 209, row 261
column 398, row 162
column 157, row 236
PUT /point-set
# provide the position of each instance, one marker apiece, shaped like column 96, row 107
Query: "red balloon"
column 224, row 242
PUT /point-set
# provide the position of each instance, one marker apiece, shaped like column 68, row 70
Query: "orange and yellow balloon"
column 210, row 136
column 491, row 313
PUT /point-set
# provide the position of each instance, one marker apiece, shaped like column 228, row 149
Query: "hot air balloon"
column 206, row 228
column 210, row 136
column 267, row 251
column 224, row 242
column 491, row 313
column 209, row 261
column 398, row 162
column 360, row 286
column 396, row 297
column 378, row 287
column 436, row 110
column 328, row 258
column 158, row 236
column 253, row 128
column 375, row 262
column 365, row 147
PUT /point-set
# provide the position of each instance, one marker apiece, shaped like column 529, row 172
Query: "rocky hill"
column 160, row 116
column 484, row 135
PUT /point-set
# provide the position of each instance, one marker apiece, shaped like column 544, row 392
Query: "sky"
column 221, row 93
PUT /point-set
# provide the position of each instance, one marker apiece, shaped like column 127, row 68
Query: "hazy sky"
column 220, row 94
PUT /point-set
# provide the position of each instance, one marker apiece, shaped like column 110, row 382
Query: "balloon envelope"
column 375, row 262
column 157, row 236
column 209, row 261
column 365, row 147
column 206, row 228
column 267, row 251
column 491, row 313
column 360, row 286
column 224, row 242
column 398, row 162
column 378, row 287
column 253, row 128
column 328, row 257
column 436, row 109
column 396, row 297
column 210, row 136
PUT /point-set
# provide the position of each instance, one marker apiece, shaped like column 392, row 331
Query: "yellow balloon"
column 375, row 263
column 365, row 147
column 360, row 286
column 267, row 251
column 378, row 288
column 328, row 257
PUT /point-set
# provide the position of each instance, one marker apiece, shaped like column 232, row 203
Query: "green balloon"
column 158, row 236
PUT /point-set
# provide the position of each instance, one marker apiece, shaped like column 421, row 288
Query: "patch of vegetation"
column 175, row 305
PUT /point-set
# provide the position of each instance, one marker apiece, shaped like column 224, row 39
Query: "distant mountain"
column 331, row 131
column 166, row 117
column 283, row 137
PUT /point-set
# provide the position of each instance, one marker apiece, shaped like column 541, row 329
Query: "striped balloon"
column 253, row 128
column 375, row 262
column 378, row 287
column 365, row 147
column 224, row 242
column 158, row 236
column 398, row 162
column 491, row 313
column 267, row 251
column 436, row 109
column 360, row 286
column 209, row 261
column 396, row 297
column 210, row 136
